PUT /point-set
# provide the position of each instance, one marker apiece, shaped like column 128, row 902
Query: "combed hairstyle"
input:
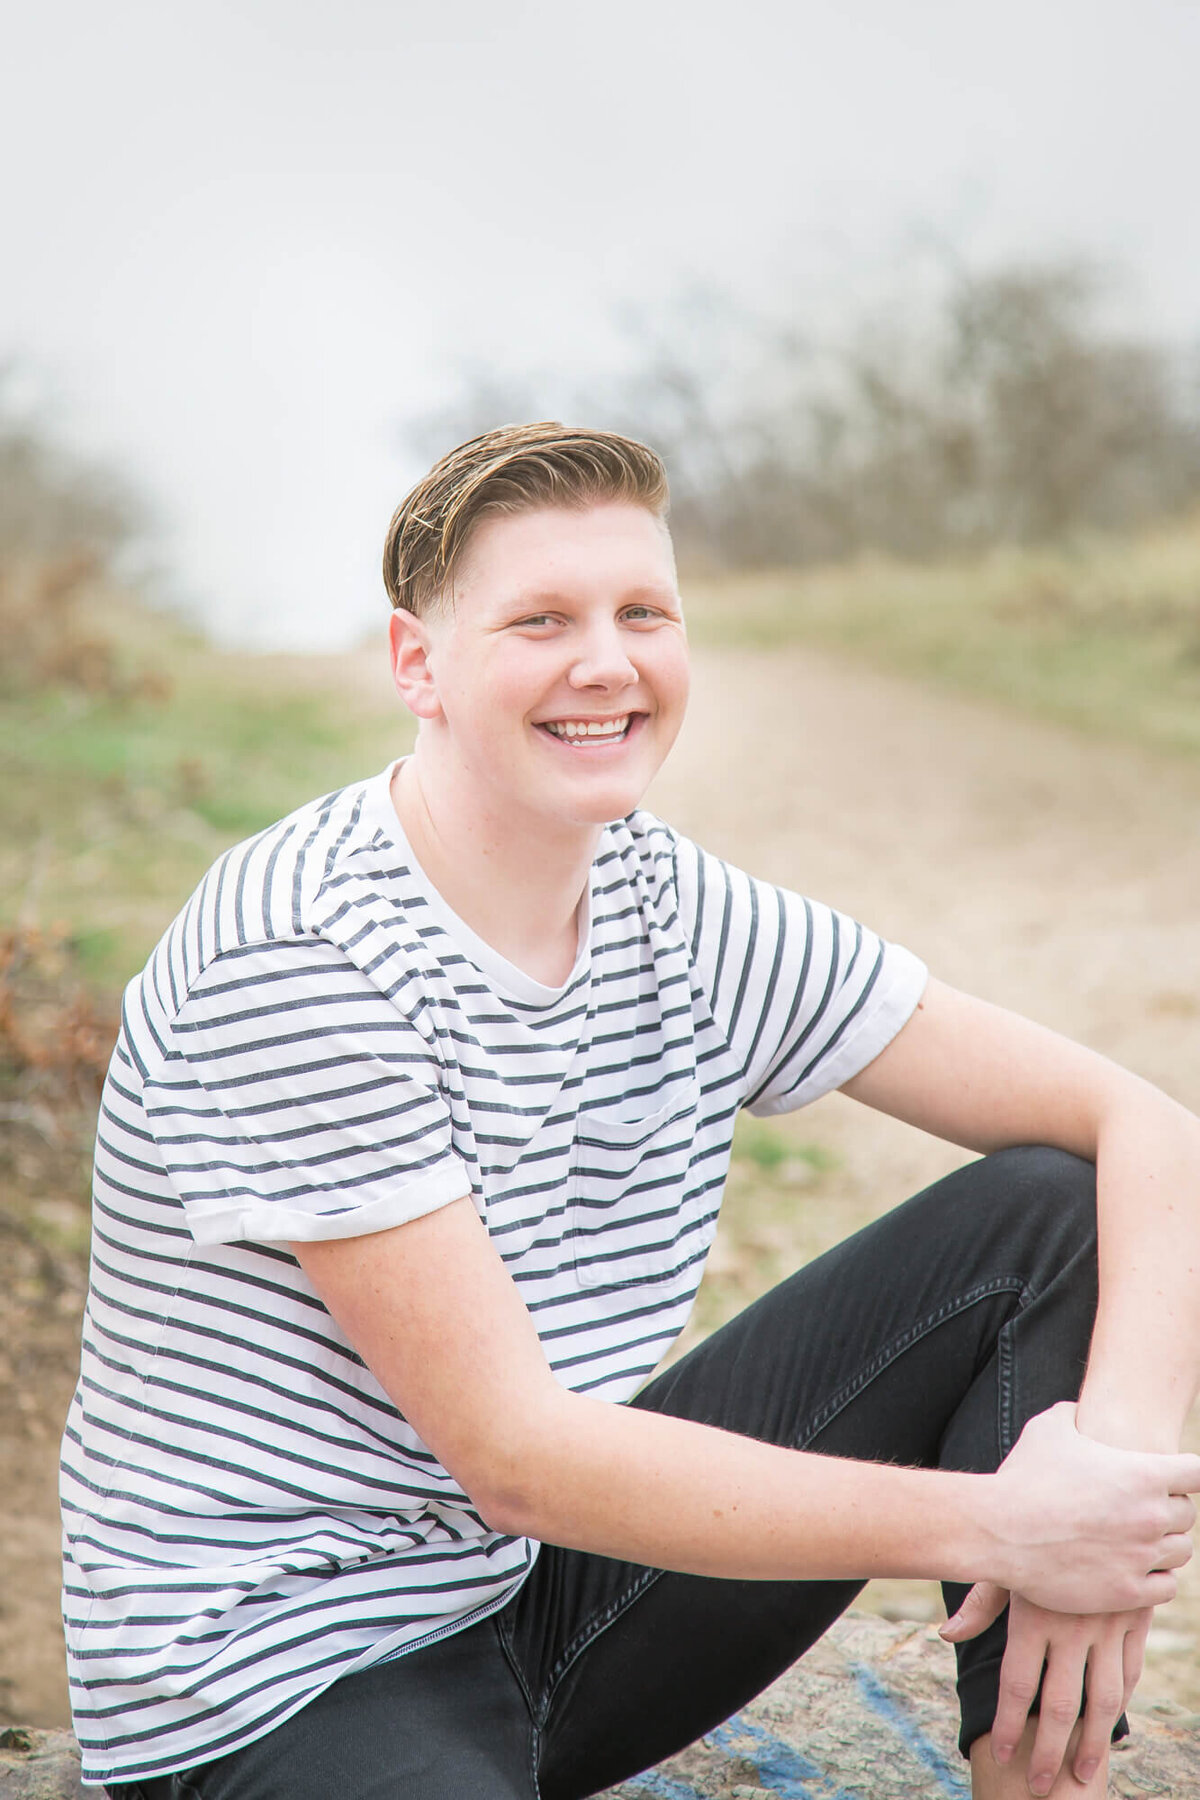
column 514, row 469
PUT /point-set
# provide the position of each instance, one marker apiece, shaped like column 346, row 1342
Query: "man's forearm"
column 1145, row 1362
column 679, row 1495
column 984, row 1078
column 1066, row 1520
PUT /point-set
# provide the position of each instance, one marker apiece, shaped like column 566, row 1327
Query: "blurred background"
column 909, row 298
column 249, row 248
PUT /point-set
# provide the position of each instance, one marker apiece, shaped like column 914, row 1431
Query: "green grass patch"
column 769, row 1150
column 1103, row 634
column 781, row 1196
column 113, row 806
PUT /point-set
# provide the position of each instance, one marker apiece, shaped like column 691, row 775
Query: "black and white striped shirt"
column 319, row 1048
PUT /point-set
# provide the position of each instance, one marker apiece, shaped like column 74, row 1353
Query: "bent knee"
column 1042, row 1167
column 1054, row 1187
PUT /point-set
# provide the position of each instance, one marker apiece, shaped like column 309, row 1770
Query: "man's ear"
column 409, row 640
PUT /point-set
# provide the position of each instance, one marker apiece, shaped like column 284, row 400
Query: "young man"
column 409, row 1159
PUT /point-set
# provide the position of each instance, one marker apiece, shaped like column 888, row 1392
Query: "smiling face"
column 553, row 684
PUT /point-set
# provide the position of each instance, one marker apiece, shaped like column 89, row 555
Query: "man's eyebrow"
column 534, row 597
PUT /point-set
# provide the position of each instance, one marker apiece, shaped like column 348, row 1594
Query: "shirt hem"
column 202, row 1753
column 878, row 1027
column 271, row 1224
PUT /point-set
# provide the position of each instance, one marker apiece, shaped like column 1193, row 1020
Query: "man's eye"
column 638, row 613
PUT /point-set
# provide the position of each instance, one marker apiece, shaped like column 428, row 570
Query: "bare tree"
column 52, row 503
column 63, row 522
column 1001, row 408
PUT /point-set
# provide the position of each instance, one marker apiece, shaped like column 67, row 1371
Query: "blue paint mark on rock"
column 885, row 1706
column 657, row 1786
column 869, row 1714
column 781, row 1767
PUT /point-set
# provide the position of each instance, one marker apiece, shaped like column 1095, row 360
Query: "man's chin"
column 609, row 815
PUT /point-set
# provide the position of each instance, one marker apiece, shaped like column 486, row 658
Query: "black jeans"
column 927, row 1339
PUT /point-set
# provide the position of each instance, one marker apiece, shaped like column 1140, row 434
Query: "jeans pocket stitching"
column 882, row 1359
column 593, row 1628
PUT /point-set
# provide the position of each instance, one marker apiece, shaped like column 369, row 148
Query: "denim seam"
column 1005, row 1388
column 513, row 1662
column 949, row 1309
column 518, row 1674
column 591, row 1630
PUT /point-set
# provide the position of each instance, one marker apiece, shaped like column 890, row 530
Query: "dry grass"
column 1104, row 634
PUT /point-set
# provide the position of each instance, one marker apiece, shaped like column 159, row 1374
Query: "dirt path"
column 1023, row 862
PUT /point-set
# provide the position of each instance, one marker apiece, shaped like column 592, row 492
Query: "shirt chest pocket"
column 630, row 1204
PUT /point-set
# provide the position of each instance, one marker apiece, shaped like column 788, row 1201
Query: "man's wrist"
column 990, row 1533
column 1129, row 1424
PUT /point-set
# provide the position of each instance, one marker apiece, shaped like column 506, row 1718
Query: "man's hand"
column 1096, row 1534
column 1106, row 1648
column 1087, row 1528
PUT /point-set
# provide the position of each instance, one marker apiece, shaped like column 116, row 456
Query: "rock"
column 869, row 1714
column 41, row 1765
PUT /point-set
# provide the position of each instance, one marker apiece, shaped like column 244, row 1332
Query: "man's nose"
column 603, row 660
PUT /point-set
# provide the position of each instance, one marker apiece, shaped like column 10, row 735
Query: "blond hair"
column 516, row 468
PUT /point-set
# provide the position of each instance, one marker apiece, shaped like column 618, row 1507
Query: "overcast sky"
column 243, row 241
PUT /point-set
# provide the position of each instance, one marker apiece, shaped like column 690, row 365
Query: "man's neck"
column 516, row 884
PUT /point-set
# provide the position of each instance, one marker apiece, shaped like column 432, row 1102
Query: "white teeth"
column 585, row 728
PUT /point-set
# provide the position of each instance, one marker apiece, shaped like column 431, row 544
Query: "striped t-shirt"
column 319, row 1048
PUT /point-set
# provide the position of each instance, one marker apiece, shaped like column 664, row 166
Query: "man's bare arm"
column 436, row 1316
column 984, row 1078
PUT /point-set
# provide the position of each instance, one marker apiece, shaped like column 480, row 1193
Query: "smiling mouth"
column 588, row 732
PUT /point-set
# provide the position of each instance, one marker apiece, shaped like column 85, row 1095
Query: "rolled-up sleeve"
column 296, row 1102
column 806, row 996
